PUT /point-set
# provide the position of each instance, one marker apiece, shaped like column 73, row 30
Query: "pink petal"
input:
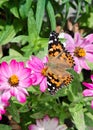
column 77, row 66
column 33, row 127
column 89, row 38
column 89, row 48
column 88, row 92
column 14, row 67
column 26, row 83
column 92, row 104
column 77, row 39
column 62, row 127
column 89, row 56
column 5, row 96
column 21, row 97
column 69, row 39
column 45, row 60
column 84, row 64
column 43, row 85
column 23, row 90
column 53, row 123
column 4, row 69
column 92, row 77
column 39, row 78
column 36, row 64
column 25, row 73
column 88, row 85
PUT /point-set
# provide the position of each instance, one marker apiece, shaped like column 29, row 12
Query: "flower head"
column 47, row 124
column 81, row 49
column 39, row 70
column 14, row 79
column 89, row 90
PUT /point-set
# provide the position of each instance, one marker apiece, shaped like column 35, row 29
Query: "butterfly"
column 59, row 61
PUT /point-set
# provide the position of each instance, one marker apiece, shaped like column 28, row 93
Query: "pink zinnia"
column 14, row 79
column 81, row 49
column 39, row 70
column 89, row 91
column 47, row 124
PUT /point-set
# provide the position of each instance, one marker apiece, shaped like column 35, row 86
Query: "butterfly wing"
column 59, row 61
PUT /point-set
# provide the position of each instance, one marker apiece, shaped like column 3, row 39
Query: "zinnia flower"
column 47, row 124
column 39, row 70
column 89, row 90
column 14, row 79
column 2, row 106
column 81, row 49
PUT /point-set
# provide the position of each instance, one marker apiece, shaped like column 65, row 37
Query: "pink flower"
column 81, row 49
column 47, row 124
column 39, row 70
column 89, row 91
column 2, row 106
column 14, row 79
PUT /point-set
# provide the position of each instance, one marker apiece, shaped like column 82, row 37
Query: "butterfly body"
column 59, row 61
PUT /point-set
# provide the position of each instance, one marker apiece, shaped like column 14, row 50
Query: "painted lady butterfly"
column 59, row 60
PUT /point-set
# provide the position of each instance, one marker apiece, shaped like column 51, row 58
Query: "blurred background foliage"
column 25, row 26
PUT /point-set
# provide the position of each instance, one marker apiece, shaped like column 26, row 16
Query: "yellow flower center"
column 43, row 71
column 13, row 80
column 79, row 52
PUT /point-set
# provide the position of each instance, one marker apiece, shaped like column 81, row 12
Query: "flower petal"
column 84, row 64
column 89, row 56
column 4, row 69
column 33, row 127
column 92, row 77
column 88, row 92
column 43, row 85
column 88, row 85
column 14, row 67
column 92, row 104
column 5, row 96
column 36, row 64
column 89, row 38
column 21, row 97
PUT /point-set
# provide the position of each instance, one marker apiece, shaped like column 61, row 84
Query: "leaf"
column 78, row 11
column 5, row 127
column 40, row 13
column 78, row 116
column 14, row 53
column 24, row 8
column 12, row 109
column 9, row 32
column 2, row 2
column 32, row 29
column 20, row 39
column 51, row 15
column 89, row 119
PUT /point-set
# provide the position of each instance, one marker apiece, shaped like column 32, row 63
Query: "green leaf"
column 40, row 13
column 9, row 32
column 51, row 15
column 5, row 127
column 89, row 1
column 78, row 116
column 20, row 39
column 24, row 8
column 32, row 29
column 78, row 11
column 12, row 109
column 2, row 2
column 89, row 119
